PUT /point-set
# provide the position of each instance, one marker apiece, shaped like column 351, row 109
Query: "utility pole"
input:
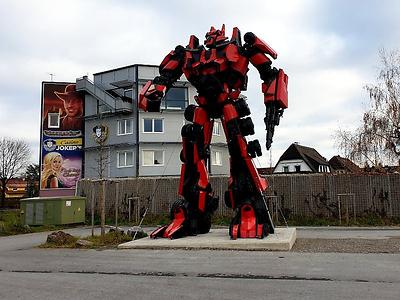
column 270, row 157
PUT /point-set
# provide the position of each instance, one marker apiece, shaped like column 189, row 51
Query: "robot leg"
column 246, row 188
column 192, row 215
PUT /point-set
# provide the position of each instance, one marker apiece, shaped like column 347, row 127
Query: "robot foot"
column 183, row 223
column 178, row 227
column 246, row 224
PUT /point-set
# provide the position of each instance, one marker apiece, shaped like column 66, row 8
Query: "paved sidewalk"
column 336, row 232
column 27, row 241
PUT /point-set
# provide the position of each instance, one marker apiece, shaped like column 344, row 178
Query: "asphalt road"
column 32, row 273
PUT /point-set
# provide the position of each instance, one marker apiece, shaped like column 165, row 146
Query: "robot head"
column 214, row 37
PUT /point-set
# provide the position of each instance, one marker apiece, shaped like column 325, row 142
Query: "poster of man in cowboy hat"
column 73, row 108
column 61, row 136
column 63, row 108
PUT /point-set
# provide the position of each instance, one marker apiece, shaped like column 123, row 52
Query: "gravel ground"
column 390, row 245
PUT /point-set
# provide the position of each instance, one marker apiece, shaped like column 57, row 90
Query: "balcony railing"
column 112, row 103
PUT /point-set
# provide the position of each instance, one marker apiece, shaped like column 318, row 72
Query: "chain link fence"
column 339, row 196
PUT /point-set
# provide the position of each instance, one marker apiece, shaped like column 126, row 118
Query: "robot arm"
column 154, row 90
column 274, row 85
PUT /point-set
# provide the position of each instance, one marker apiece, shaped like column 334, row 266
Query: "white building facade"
column 139, row 143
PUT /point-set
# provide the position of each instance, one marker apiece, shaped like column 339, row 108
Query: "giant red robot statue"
column 219, row 75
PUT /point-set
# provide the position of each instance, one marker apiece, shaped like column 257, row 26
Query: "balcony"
column 110, row 102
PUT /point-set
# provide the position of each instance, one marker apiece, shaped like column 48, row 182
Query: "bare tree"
column 32, row 178
column 100, row 134
column 377, row 140
column 102, row 160
column 14, row 157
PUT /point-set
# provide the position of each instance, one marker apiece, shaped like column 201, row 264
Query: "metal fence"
column 339, row 196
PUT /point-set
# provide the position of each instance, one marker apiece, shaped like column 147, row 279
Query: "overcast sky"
column 329, row 49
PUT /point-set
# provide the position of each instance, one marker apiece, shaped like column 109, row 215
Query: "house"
column 16, row 188
column 265, row 171
column 344, row 165
column 382, row 169
column 301, row 159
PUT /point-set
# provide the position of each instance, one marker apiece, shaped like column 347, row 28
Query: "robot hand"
column 273, row 113
column 151, row 95
column 275, row 100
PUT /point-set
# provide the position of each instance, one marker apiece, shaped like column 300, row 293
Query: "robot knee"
column 196, row 115
column 246, row 126
column 192, row 131
column 189, row 112
column 242, row 107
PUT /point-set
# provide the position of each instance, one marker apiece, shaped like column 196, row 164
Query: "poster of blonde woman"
column 61, row 163
column 51, row 171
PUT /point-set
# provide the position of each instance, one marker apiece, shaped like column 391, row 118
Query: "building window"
column 153, row 125
column 297, row 168
column 153, row 157
column 53, row 120
column 124, row 159
column 286, row 169
column 125, row 126
column 216, row 158
column 176, row 98
column 216, row 128
column 323, row 168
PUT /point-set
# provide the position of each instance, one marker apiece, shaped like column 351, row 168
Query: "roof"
column 125, row 67
column 265, row 171
column 340, row 163
column 311, row 156
column 382, row 170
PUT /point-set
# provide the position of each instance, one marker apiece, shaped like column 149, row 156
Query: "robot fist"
column 150, row 96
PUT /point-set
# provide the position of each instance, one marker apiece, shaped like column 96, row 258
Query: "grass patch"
column 309, row 221
column 149, row 220
column 111, row 239
column 364, row 220
column 220, row 220
column 293, row 220
column 153, row 220
column 108, row 241
column 10, row 224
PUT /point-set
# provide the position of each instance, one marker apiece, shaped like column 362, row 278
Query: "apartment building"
column 138, row 143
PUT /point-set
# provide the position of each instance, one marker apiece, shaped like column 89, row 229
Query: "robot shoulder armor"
column 232, row 53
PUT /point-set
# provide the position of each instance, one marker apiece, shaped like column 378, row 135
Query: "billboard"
column 61, row 136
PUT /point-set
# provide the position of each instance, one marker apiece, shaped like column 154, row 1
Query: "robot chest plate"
column 208, row 62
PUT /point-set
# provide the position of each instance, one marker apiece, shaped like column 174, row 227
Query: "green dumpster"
column 53, row 210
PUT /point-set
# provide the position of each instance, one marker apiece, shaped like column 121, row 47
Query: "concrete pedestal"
column 282, row 240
